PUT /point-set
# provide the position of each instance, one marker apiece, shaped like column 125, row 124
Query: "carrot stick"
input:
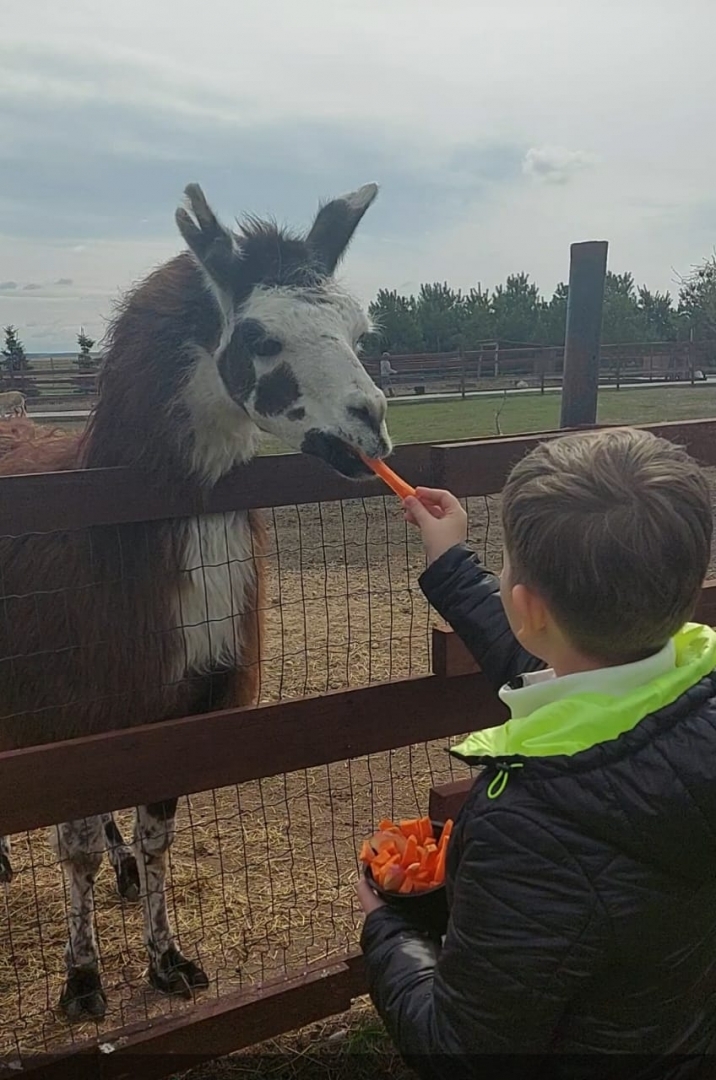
column 447, row 832
column 383, row 856
column 425, row 830
column 396, row 483
column 442, row 853
column 411, row 827
column 410, row 853
column 366, row 852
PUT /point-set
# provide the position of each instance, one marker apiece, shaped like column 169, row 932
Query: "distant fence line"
column 494, row 364
column 540, row 366
column 55, row 377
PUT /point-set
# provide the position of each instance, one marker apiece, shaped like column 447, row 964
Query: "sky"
column 499, row 133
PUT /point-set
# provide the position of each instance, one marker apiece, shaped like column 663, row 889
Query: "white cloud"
column 49, row 317
column 555, row 164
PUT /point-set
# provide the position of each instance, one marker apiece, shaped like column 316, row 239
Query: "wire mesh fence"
column 261, row 875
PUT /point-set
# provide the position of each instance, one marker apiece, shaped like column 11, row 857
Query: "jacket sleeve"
column 467, row 596
column 522, row 939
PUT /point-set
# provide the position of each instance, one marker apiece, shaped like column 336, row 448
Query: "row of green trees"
column 15, row 360
column 442, row 319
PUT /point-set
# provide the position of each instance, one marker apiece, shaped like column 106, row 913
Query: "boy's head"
column 607, row 543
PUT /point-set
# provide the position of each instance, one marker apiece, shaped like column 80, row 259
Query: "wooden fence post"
column 580, row 385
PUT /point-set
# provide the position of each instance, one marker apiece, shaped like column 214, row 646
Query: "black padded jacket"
column 581, row 940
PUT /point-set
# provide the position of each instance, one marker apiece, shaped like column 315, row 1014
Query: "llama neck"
column 163, row 406
column 220, row 434
column 192, row 438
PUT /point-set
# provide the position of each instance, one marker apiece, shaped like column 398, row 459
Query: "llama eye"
column 268, row 347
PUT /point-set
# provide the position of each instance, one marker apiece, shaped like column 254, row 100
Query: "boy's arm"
column 467, row 596
column 522, row 938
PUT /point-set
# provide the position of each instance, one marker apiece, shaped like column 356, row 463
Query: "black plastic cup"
column 426, row 910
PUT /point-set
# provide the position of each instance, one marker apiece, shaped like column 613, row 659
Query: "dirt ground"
column 262, row 874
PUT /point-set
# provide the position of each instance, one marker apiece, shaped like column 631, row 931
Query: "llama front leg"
column 122, row 860
column 169, row 971
column 5, row 864
column 80, row 845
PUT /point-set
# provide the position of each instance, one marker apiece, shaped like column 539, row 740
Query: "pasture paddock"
column 429, row 420
column 263, row 869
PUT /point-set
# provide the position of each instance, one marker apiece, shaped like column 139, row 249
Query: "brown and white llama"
column 112, row 627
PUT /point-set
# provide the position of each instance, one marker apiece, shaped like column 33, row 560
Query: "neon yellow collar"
column 583, row 720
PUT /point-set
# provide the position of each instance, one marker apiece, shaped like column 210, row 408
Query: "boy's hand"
column 441, row 519
column 368, row 900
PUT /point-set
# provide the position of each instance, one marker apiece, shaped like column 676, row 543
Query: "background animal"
column 12, row 403
column 111, row 627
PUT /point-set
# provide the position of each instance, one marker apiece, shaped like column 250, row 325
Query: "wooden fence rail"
column 150, row 1050
column 50, row 502
column 67, row 780
column 47, row 784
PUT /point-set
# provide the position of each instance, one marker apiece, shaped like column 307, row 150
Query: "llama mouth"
column 336, row 453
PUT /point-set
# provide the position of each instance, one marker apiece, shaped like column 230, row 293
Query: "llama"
column 12, row 403
column 112, row 627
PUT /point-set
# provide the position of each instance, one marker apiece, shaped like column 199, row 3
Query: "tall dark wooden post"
column 580, row 384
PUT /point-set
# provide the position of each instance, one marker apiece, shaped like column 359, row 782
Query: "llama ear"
column 335, row 224
column 211, row 243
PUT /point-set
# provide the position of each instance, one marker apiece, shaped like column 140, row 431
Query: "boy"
column 581, row 873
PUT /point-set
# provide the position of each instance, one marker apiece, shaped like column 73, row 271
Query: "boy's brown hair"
column 613, row 530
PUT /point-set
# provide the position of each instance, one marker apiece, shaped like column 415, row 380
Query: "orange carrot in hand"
column 396, row 483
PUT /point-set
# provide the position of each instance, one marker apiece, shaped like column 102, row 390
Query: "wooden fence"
column 51, row 379
column 498, row 365
column 53, row 783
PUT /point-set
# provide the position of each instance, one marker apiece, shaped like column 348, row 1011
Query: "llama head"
column 287, row 357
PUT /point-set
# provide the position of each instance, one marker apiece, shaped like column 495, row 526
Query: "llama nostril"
column 366, row 416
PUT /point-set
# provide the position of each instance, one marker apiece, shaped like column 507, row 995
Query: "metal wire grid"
column 261, row 875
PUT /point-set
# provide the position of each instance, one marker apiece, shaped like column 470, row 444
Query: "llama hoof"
column 82, row 995
column 174, row 974
column 128, row 880
column 5, row 869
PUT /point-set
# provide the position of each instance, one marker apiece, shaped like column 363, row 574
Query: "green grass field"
column 474, row 418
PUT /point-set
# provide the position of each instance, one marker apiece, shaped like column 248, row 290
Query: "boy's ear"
column 530, row 612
